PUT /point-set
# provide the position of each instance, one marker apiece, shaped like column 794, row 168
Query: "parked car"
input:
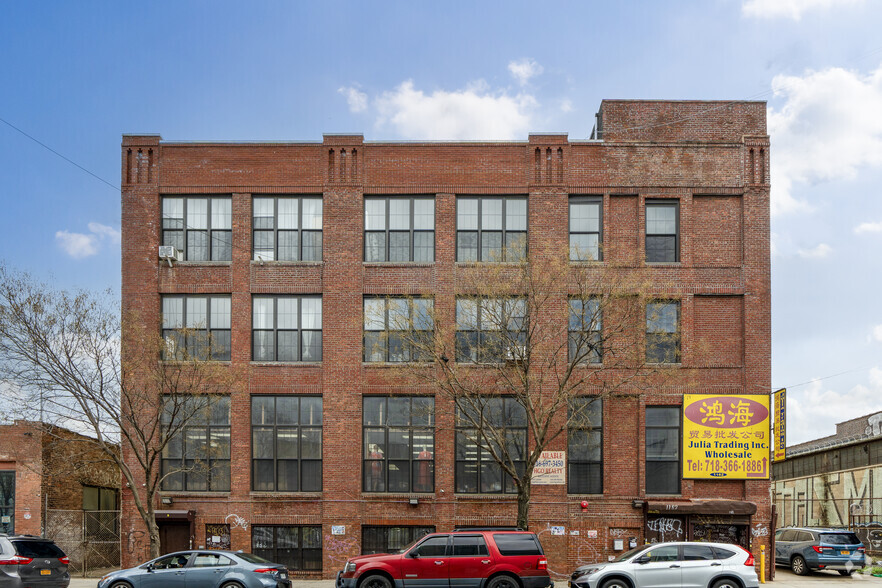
column 660, row 565
column 467, row 558
column 806, row 548
column 32, row 562
column 201, row 569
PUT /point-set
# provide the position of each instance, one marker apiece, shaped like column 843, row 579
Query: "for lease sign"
column 726, row 437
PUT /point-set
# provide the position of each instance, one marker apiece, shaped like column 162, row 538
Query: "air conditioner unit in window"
column 516, row 353
column 169, row 254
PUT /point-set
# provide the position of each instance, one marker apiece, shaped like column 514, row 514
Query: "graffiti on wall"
column 827, row 499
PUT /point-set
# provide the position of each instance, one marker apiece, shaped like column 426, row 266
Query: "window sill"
column 183, row 494
column 186, row 362
column 396, row 364
column 398, row 495
column 196, row 263
column 487, row 497
column 309, row 364
column 285, row 495
column 380, row 264
column 664, row 365
column 275, row 262
column 664, row 264
column 586, row 262
column 481, row 263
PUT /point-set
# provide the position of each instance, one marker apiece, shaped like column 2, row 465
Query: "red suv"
column 473, row 558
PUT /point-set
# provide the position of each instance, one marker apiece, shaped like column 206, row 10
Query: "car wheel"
column 615, row 583
column 846, row 572
column 726, row 584
column 799, row 566
column 376, row 581
column 120, row 585
column 503, row 582
column 232, row 585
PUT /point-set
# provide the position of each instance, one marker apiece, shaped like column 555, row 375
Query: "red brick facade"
column 712, row 157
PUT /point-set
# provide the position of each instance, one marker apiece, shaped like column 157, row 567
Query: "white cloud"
column 876, row 377
column 820, row 252
column 876, row 334
column 810, row 411
column 524, row 69
column 475, row 112
column 566, row 105
column 357, row 100
column 792, row 9
column 827, row 129
column 82, row 245
column 868, row 228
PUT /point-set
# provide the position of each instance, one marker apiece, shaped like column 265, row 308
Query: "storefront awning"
column 175, row 515
column 704, row 507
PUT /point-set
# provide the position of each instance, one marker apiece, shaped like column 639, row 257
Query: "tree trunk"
column 152, row 530
column 524, row 506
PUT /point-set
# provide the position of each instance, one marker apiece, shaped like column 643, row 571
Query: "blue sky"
column 77, row 75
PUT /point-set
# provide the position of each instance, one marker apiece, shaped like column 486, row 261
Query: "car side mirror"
column 414, row 554
column 150, row 567
column 641, row 560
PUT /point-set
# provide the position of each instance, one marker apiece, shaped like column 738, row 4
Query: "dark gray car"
column 32, row 562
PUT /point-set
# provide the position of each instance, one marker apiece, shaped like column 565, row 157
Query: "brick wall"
column 715, row 165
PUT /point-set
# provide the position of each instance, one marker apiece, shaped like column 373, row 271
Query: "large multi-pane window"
column 287, row 228
column 298, row 547
column 197, row 455
column 399, row 444
column 286, row 328
column 399, row 228
column 200, row 226
column 585, row 228
column 481, row 424
column 662, row 449
column 286, row 443
column 662, row 230
column 398, row 329
column 663, row 331
column 383, row 539
column 585, row 330
column 491, row 229
column 490, row 330
column 196, row 326
column 585, row 446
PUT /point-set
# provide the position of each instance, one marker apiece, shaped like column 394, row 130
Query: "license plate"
column 45, row 572
column 283, row 576
column 845, row 552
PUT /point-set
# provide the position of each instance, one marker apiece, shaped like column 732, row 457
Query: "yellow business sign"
column 726, row 437
column 780, row 437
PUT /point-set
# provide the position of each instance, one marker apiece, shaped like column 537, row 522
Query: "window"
column 662, row 231
column 286, row 443
column 432, row 547
column 585, row 446
column 663, row 331
column 378, row 539
column 585, row 228
column 210, row 560
column 491, row 229
column 7, row 502
column 201, row 227
column 585, row 338
column 297, row 547
column 514, row 544
column 196, row 326
column 662, row 449
column 287, row 228
column 398, row 329
column 491, row 330
column 502, row 419
column 172, row 562
column 399, row 444
column 100, row 520
column 286, row 328
column 698, row 553
column 663, row 553
column 197, row 455
column 469, row 546
column 400, row 228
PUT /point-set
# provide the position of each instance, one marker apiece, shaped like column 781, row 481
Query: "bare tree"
column 526, row 354
column 65, row 357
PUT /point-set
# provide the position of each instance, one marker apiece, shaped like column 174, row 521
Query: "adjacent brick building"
column 283, row 244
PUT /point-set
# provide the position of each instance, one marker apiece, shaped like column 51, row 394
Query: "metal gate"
column 90, row 538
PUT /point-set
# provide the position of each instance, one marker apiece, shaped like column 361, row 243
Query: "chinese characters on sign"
column 780, row 406
column 726, row 436
column 550, row 468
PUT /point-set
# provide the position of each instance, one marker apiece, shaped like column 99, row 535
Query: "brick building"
column 285, row 245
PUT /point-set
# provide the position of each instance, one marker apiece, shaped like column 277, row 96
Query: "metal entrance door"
column 7, row 502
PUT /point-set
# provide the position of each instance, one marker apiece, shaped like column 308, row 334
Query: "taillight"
column 65, row 560
column 265, row 571
column 16, row 560
column 542, row 564
column 749, row 561
column 817, row 549
column 862, row 549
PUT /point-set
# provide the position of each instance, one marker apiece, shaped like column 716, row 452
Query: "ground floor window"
column 380, row 539
column 298, row 547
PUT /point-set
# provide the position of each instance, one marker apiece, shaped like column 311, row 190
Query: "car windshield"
column 251, row 558
column 631, row 553
column 839, row 538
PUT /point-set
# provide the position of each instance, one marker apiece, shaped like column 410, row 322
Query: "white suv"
column 704, row 565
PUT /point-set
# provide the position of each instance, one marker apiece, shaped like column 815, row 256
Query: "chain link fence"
column 861, row 515
column 90, row 538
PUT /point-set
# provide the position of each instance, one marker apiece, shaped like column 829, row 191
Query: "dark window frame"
column 658, row 340
column 299, row 428
column 275, row 328
column 189, row 458
column 582, row 200
column 387, row 335
column 663, row 203
column 592, row 338
column 376, row 468
column 380, row 542
column 255, row 256
column 678, row 445
column 169, row 226
column 206, row 335
column 478, row 341
column 504, row 231
column 387, row 231
column 578, row 429
column 297, row 563
column 463, row 444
